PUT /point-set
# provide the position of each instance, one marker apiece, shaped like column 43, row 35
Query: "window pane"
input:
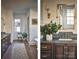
column 72, row 10
column 70, row 20
column 68, row 10
column 17, row 25
column 18, row 29
column 17, row 20
column 68, row 14
column 72, row 14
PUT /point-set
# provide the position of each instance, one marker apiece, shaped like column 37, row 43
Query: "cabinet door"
column 72, row 52
column 59, row 52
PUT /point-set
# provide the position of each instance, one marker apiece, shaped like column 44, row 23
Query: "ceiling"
column 19, row 5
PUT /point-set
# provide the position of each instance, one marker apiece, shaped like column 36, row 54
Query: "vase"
column 44, row 37
column 41, row 37
column 49, row 37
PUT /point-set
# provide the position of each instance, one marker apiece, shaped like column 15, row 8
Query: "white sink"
column 65, row 39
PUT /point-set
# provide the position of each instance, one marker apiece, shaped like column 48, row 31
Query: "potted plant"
column 24, row 35
column 47, row 30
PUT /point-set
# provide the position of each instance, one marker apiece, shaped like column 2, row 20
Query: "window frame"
column 70, row 16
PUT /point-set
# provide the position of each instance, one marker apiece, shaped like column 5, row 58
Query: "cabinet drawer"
column 46, row 46
column 46, row 56
column 46, row 52
column 3, row 40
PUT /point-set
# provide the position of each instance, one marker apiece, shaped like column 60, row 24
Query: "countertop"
column 5, row 35
column 58, row 41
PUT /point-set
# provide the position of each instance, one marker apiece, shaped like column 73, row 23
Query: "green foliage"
column 50, row 28
column 24, row 35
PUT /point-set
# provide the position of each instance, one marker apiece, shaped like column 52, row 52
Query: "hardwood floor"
column 20, row 50
column 8, row 53
column 32, row 51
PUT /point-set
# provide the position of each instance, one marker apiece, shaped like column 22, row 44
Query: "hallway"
column 20, row 50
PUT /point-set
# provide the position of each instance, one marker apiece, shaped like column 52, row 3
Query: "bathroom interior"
column 58, row 29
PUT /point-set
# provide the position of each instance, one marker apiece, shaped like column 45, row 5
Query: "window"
column 70, row 16
column 66, row 15
column 17, row 25
column 18, row 29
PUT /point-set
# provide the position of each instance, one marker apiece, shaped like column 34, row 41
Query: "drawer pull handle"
column 44, row 47
column 44, row 56
column 3, row 40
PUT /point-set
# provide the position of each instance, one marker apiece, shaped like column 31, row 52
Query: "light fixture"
column 48, row 12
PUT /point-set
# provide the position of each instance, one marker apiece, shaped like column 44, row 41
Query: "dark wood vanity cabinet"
column 5, row 42
column 65, row 51
column 58, row 51
column 46, row 51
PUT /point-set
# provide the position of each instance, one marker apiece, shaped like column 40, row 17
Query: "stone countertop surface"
column 3, row 36
column 58, row 41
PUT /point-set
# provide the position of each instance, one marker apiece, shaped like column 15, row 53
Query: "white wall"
column 6, row 14
column 33, row 28
column 52, row 5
